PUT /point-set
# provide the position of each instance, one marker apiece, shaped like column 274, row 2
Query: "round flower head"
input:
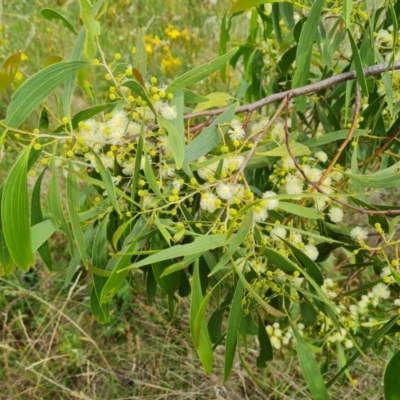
column 279, row 232
column 225, row 191
column 381, row 291
column 321, row 156
column 320, row 202
column 236, row 133
column 270, row 204
column 311, row 251
column 335, row 214
column 259, row 214
column 207, row 202
column 336, row 176
column 313, row 174
column 293, row 185
column 359, row 234
column 169, row 112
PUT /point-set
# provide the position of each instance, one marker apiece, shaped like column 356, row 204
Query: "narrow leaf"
column 200, row 72
column 358, row 64
column 304, row 50
column 210, row 136
column 204, row 348
column 391, row 379
column 15, row 213
column 50, row 14
column 234, row 321
column 310, row 368
column 73, row 208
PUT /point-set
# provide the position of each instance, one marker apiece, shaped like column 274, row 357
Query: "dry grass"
column 51, row 348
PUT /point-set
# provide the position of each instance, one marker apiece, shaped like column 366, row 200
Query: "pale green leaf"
column 297, row 149
column 200, row 72
column 41, row 232
column 296, row 209
column 217, row 99
column 33, row 91
column 176, row 139
column 200, row 244
column 210, row 136
column 243, row 5
column 92, row 27
column 310, row 368
column 48, row 13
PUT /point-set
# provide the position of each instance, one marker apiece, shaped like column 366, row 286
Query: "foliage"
column 247, row 201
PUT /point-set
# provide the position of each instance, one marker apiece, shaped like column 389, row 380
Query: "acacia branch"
column 313, row 87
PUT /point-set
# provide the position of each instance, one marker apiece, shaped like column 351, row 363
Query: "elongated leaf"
column 304, row 50
column 210, row 136
column 99, row 259
column 37, row 217
column 41, row 232
column 242, row 5
column 200, row 72
column 204, row 347
column 217, row 99
column 141, row 55
column 358, row 64
column 333, row 137
column 297, row 149
column 386, row 178
column 151, row 179
column 187, row 260
column 177, row 141
column 107, row 179
column 69, row 84
column 266, row 353
column 234, row 321
column 8, row 70
column 296, row 209
column 200, row 244
column 33, row 91
column 15, row 213
column 92, row 27
column 57, row 208
column 310, row 368
column 170, row 283
column 73, row 208
column 48, row 13
column 141, row 91
column 118, row 264
column 236, row 241
column 347, row 9
column 6, row 262
column 391, row 379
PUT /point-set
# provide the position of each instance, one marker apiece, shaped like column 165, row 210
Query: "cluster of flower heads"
column 216, row 192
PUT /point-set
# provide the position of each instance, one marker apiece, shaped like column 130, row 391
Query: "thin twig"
column 348, row 138
column 313, row 87
column 390, row 139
